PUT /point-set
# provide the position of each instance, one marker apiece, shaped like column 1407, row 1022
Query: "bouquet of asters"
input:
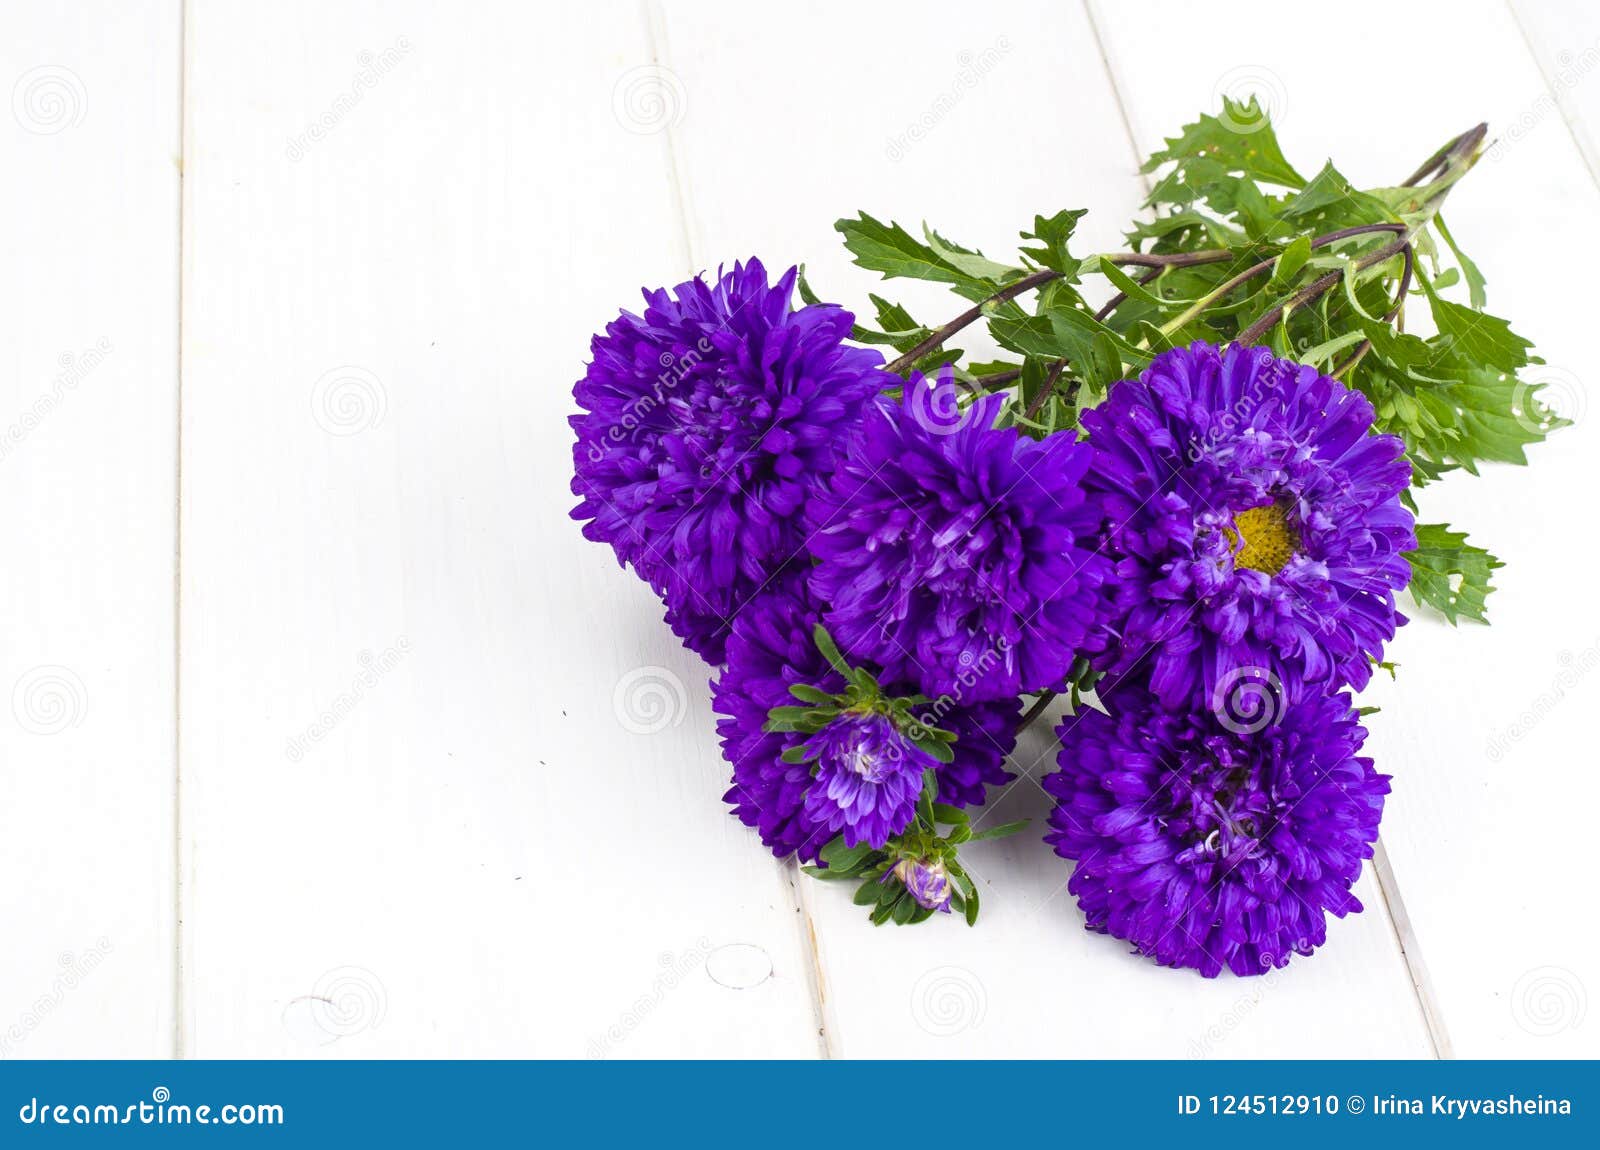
column 1183, row 510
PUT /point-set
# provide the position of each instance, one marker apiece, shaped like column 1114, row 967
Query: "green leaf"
column 973, row 263
column 948, row 815
column 904, row 909
column 900, row 331
column 1476, row 338
column 1053, row 233
column 972, row 907
column 885, row 909
column 1216, row 151
column 830, row 650
column 840, row 857
column 1330, row 202
column 893, row 252
column 1288, row 267
column 1450, row 574
column 930, row 787
column 807, row 296
column 1000, row 831
column 1476, row 296
column 810, row 694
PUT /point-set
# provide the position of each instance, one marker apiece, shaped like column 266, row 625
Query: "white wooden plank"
column 1564, row 36
column 88, row 389
column 427, row 808
column 976, row 119
column 1487, row 732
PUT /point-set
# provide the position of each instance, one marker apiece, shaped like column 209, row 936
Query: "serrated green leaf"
column 1475, row 338
column 1053, row 232
column 1450, row 574
column 891, row 251
column 1214, row 150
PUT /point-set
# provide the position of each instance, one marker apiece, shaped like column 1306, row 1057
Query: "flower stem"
column 936, row 338
column 1043, row 701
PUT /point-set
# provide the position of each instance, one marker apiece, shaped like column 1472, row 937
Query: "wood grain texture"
column 1487, row 730
column 450, row 786
column 89, row 147
column 898, row 142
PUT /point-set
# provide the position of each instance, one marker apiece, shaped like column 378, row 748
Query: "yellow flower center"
column 1264, row 538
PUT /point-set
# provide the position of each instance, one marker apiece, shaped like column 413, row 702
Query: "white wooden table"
column 325, row 734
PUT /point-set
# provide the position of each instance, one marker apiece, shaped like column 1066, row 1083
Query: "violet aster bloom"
column 704, row 421
column 1209, row 843
column 985, row 734
column 953, row 554
column 926, row 879
column 868, row 778
column 771, row 649
column 1255, row 520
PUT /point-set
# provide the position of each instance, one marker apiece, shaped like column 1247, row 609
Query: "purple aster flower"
column 771, row 648
column 985, row 734
column 951, row 553
column 1256, row 523
column 926, row 880
column 868, row 778
column 1207, row 842
column 705, row 420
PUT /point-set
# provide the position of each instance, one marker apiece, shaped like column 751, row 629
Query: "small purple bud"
column 927, row 880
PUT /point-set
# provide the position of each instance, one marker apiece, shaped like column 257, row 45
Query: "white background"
column 283, row 419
